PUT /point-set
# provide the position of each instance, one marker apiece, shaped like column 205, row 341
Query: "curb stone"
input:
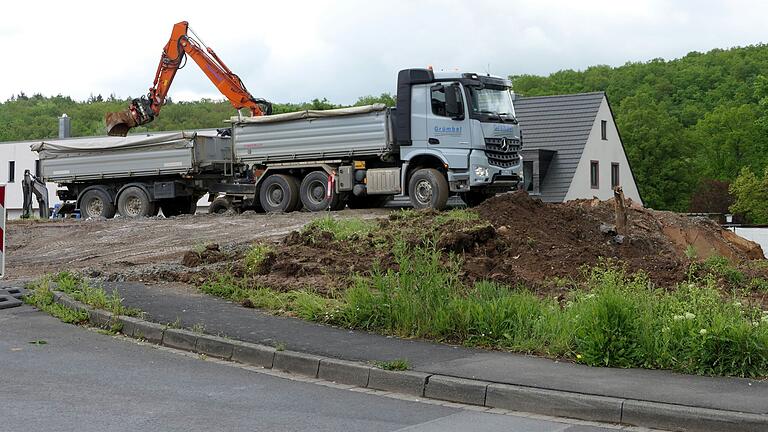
column 456, row 389
column 344, row 372
column 99, row 317
column 452, row 389
column 554, row 403
column 180, row 339
column 685, row 418
column 214, row 346
column 408, row 382
column 253, row 354
column 296, row 362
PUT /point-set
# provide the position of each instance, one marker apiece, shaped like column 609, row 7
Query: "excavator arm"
column 143, row 110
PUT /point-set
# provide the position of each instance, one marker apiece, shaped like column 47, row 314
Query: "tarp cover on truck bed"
column 311, row 114
column 93, row 145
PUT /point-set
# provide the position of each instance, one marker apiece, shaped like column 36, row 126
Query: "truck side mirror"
column 454, row 103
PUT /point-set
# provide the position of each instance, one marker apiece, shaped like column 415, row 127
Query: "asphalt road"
column 73, row 379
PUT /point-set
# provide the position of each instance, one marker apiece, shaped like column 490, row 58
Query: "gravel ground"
column 117, row 246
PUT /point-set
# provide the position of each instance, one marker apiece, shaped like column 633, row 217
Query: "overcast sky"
column 293, row 51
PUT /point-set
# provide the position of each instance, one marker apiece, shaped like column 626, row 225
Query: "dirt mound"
column 511, row 238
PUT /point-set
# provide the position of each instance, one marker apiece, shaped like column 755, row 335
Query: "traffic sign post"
column 2, row 230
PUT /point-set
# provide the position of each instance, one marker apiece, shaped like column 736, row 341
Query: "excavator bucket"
column 119, row 123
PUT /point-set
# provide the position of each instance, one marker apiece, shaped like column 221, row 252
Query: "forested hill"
column 26, row 117
column 684, row 122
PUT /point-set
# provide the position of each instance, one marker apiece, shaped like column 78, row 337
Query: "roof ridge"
column 562, row 95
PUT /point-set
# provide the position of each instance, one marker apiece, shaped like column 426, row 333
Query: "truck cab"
column 461, row 124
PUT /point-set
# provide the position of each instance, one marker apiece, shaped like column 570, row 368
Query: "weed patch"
column 393, row 365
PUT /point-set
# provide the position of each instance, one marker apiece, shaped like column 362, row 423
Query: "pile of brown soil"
column 516, row 239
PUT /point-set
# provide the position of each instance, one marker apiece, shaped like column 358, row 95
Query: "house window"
column 594, row 174
column 614, row 174
column 604, row 129
column 11, row 171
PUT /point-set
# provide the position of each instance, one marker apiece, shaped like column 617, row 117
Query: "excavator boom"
column 143, row 110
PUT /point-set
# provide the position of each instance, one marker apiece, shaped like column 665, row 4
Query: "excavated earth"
column 515, row 239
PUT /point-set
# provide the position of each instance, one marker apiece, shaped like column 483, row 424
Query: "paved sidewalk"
column 166, row 305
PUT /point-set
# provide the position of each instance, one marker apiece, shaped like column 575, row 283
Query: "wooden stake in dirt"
column 621, row 213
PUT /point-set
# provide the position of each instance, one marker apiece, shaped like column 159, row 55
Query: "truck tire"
column 428, row 188
column 96, row 203
column 279, row 193
column 219, row 206
column 133, row 202
column 473, row 199
column 314, row 192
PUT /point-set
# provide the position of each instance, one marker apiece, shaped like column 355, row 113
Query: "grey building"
column 572, row 148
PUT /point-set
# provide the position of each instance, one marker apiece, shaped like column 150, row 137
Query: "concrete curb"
column 447, row 388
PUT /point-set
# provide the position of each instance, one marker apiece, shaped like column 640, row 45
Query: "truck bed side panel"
column 313, row 139
column 117, row 164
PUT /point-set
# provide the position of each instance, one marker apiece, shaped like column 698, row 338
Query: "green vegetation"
column 26, row 117
column 393, row 365
column 611, row 319
column 256, row 256
column 80, row 290
column 751, row 195
column 42, row 297
column 683, row 122
column 340, row 229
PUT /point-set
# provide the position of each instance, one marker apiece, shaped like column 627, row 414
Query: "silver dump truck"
column 450, row 133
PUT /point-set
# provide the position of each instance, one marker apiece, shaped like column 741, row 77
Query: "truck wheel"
column 134, row 202
column 96, row 203
column 428, row 188
column 473, row 199
column 219, row 206
column 314, row 192
column 279, row 193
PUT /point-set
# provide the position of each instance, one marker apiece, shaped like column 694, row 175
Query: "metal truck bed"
column 74, row 160
column 313, row 135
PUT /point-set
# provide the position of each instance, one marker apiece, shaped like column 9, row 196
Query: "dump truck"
column 449, row 133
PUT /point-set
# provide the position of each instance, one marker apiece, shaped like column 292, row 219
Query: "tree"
column 711, row 196
column 751, row 194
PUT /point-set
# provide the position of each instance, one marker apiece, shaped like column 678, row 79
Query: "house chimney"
column 65, row 126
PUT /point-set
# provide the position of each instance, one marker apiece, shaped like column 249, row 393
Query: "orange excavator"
column 143, row 110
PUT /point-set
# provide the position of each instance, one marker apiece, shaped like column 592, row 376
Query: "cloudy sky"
column 293, row 51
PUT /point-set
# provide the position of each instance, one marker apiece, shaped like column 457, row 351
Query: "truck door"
column 447, row 122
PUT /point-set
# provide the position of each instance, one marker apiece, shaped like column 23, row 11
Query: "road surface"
column 60, row 377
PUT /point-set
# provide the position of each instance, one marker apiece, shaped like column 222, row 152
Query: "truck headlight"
column 481, row 171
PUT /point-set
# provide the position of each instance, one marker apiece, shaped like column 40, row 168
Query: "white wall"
column 605, row 152
column 25, row 159
column 757, row 235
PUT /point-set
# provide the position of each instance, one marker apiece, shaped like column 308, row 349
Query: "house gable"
column 605, row 153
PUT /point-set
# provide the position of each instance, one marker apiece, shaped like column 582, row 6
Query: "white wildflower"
column 703, row 331
column 689, row 316
column 677, row 317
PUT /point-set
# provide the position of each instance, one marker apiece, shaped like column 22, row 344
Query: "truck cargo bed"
column 132, row 156
column 314, row 135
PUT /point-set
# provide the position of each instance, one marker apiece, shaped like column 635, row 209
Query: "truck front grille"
column 502, row 155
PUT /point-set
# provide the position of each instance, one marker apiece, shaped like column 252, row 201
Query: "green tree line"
column 34, row 117
column 689, row 125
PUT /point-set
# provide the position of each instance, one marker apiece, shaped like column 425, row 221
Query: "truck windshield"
column 491, row 101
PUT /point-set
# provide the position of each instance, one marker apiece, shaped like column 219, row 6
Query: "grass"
column 42, row 297
column 341, row 229
column 611, row 319
column 393, row 365
column 256, row 257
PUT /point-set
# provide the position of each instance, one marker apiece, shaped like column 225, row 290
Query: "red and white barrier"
column 2, row 230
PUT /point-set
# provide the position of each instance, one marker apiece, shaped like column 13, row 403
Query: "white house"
column 572, row 148
column 15, row 157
